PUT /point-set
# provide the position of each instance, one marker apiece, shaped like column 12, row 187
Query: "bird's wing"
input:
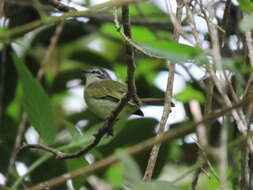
column 108, row 89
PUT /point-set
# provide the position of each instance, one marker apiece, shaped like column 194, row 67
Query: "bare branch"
column 167, row 104
column 201, row 129
column 250, row 46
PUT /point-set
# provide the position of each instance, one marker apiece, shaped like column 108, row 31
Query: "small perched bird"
column 102, row 95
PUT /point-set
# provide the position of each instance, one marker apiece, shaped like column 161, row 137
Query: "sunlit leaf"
column 246, row 5
column 114, row 175
column 189, row 93
column 3, row 31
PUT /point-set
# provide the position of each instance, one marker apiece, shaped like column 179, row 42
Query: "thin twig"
column 51, row 48
column 196, row 176
column 130, row 41
column 223, row 155
column 132, row 92
column 60, row 6
column 176, row 23
column 18, row 139
column 142, row 146
column 189, row 171
column 250, row 46
column 205, row 151
column 161, row 128
column 197, row 115
column 166, row 110
column 192, row 23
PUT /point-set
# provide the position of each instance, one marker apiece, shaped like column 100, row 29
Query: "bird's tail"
column 154, row 102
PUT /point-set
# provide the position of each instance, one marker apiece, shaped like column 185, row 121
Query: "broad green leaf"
column 189, row 93
column 114, row 175
column 154, row 185
column 36, row 103
column 131, row 171
column 148, row 41
column 171, row 50
column 247, row 23
column 246, row 5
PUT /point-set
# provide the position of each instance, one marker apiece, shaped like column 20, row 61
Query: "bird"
column 102, row 95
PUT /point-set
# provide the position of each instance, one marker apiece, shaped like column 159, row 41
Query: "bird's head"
column 95, row 74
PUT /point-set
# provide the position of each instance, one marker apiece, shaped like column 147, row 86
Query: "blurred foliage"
column 97, row 43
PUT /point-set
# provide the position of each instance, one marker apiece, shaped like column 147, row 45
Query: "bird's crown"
column 94, row 74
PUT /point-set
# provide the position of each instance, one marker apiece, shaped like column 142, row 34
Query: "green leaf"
column 36, row 104
column 171, row 50
column 149, row 9
column 3, row 31
column 237, row 65
column 131, row 171
column 246, row 5
column 189, row 93
column 114, row 175
column 148, row 41
column 154, row 185
column 247, row 23
column 74, row 164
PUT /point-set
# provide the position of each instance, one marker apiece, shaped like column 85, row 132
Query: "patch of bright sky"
column 31, row 136
column 201, row 24
column 177, row 114
column 2, row 179
column 89, row 158
column 4, row 22
column 81, row 123
column 163, row 5
column 96, row 45
column 196, row 71
column 161, row 82
column 95, row 2
column 233, row 43
column 74, row 102
column 190, row 138
column 21, row 168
